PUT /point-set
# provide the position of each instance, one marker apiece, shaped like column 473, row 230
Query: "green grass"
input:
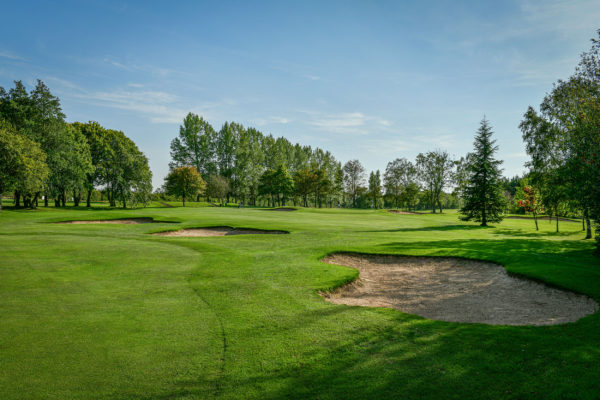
column 111, row 312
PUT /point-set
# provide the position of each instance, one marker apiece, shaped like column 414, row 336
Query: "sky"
column 367, row 80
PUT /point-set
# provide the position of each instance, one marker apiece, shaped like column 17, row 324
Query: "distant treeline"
column 243, row 164
column 42, row 156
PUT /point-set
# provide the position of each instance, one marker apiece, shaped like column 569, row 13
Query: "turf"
column 112, row 312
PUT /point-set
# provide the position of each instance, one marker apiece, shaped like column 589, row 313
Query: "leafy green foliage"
column 399, row 175
column 217, row 187
column 184, row 182
column 435, row 171
column 354, row 178
column 22, row 163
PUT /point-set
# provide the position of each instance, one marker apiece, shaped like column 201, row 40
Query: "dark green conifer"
column 484, row 201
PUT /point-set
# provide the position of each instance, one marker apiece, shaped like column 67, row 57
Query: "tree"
column 126, row 173
column 435, row 170
column 398, row 175
column 375, row 188
column 563, row 139
column 217, row 187
column 321, row 184
column 283, row 184
column 184, row 182
column 99, row 149
column 354, row 177
column 195, row 145
column 409, row 196
column 22, row 164
column 69, row 161
column 484, row 200
column 528, row 198
column 304, row 183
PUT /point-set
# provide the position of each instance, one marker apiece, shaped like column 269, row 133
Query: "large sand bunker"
column 125, row 221
column 218, row 231
column 455, row 290
column 403, row 212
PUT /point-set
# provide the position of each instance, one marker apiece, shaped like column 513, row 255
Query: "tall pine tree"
column 484, row 201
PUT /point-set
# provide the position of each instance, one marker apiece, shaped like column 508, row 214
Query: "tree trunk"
column 45, row 199
column 440, row 205
column 34, row 201
column 64, row 198
column 183, row 198
column 57, row 202
column 588, row 233
column 88, row 200
column 123, row 199
column 535, row 219
column 556, row 222
column 17, row 199
column 76, row 198
column 0, row 200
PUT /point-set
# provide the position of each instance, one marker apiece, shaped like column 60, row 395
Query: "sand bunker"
column 125, row 221
column 218, row 231
column 403, row 212
column 455, row 290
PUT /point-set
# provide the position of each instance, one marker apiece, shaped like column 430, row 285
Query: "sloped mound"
column 218, row 231
column 124, row 221
column 284, row 209
column 455, row 290
column 403, row 212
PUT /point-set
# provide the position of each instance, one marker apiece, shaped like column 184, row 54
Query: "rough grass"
column 109, row 311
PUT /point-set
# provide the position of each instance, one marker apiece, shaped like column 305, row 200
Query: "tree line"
column 43, row 156
column 250, row 167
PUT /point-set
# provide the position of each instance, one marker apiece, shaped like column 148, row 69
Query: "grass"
column 111, row 312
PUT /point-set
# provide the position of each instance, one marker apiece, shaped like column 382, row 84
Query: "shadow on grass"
column 528, row 233
column 441, row 228
column 407, row 357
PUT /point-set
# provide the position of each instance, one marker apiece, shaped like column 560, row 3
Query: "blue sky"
column 372, row 80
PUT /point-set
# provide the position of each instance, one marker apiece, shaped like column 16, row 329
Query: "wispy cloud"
column 272, row 120
column 11, row 55
column 159, row 107
column 356, row 123
column 134, row 67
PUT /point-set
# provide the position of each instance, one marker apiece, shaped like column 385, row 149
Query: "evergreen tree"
column 484, row 201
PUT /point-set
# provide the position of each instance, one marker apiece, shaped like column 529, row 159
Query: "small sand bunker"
column 124, row 221
column 403, row 212
column 284, row 209
column 218, row 231
column 455, row 290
